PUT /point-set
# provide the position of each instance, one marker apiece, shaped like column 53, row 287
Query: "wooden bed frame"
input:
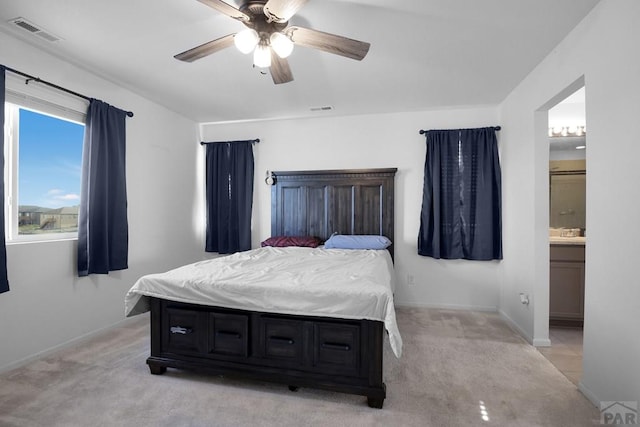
column 299, row 351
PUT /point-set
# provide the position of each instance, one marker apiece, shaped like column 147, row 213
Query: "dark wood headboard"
column 319, row 203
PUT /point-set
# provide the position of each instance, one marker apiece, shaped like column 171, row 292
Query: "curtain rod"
column 422, row 131
column 253, row 141
column 55, row 86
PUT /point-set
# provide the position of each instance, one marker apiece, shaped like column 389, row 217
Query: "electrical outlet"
column 410, row 280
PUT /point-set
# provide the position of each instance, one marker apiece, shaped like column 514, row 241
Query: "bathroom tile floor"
column 565, row 352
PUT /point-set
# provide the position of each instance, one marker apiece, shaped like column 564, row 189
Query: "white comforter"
column 342, row 283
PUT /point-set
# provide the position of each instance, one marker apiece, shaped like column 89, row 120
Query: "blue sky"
column 50, row 161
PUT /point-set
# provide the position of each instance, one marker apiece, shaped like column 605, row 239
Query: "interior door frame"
column 541, row 237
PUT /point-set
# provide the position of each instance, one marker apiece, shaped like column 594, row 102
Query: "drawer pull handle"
column 229, row 334
column 282, row 340
column 336, row 346
column 180, row 330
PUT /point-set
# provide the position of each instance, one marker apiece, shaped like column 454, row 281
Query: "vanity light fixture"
column 567, row 131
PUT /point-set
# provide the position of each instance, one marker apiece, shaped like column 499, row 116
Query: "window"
column 43, row 164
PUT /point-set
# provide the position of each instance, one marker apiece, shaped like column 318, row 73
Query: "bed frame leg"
column 157, row 369
column 375, row 402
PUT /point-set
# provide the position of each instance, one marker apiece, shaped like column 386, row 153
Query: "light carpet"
column 457, row 367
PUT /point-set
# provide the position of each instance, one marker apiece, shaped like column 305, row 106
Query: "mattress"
column 339, row 283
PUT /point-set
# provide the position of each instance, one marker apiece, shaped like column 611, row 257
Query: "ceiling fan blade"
column 227, row 9
column 282, row 10
column 331, row 43
column 280, row 70
column 206, row 49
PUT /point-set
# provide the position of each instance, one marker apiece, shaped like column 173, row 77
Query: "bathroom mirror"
column 567, row 191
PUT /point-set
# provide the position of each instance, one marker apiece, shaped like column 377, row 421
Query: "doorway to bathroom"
column 567, row 233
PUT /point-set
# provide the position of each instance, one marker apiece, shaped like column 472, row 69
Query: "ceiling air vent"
column 34, row 29
column 323, row 108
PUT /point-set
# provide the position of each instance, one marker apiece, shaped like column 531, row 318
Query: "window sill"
column 42, row 239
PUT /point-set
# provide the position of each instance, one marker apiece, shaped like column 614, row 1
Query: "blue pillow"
column 344, row 241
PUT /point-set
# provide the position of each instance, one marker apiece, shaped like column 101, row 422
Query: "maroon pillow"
column 283, row 241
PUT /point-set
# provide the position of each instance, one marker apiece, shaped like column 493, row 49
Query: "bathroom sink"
column 561, row 240
column 564, row 232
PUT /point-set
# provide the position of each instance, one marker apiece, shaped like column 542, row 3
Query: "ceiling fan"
column 270, row 38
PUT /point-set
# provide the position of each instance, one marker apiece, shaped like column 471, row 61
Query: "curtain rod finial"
column 422, row 131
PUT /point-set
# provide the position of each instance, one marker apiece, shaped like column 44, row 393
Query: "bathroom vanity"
column 566, row 281
column 567, row 211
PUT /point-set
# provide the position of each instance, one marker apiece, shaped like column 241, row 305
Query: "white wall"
column 48, row 304
column 374, row 141
column 602, row 49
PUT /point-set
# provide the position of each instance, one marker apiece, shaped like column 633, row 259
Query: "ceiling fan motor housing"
column 259, row 21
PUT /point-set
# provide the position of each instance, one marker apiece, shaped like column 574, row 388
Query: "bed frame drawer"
column 183, row 331
column 337, row 347
column 228, row 334
column 281, row 339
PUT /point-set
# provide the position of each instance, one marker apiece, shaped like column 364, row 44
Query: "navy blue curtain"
column 103, row 232
column 229, row 188
column 461, row 200
column 4, row 281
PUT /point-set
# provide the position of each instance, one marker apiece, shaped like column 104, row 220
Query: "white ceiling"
column 569, row 112
column 425, row 54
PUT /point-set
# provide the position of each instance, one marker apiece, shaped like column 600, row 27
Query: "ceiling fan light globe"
column 281, row 44
column 246, row 40
column 262, row 56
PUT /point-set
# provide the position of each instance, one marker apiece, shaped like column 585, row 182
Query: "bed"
column 278, row 314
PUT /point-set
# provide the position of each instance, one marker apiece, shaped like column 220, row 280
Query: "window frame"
column 42, row 101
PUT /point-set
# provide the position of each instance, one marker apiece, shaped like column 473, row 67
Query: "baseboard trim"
column 492, row 309
column 513, row 325
column 74, row 341
column 541, row 342
column 588, row 394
